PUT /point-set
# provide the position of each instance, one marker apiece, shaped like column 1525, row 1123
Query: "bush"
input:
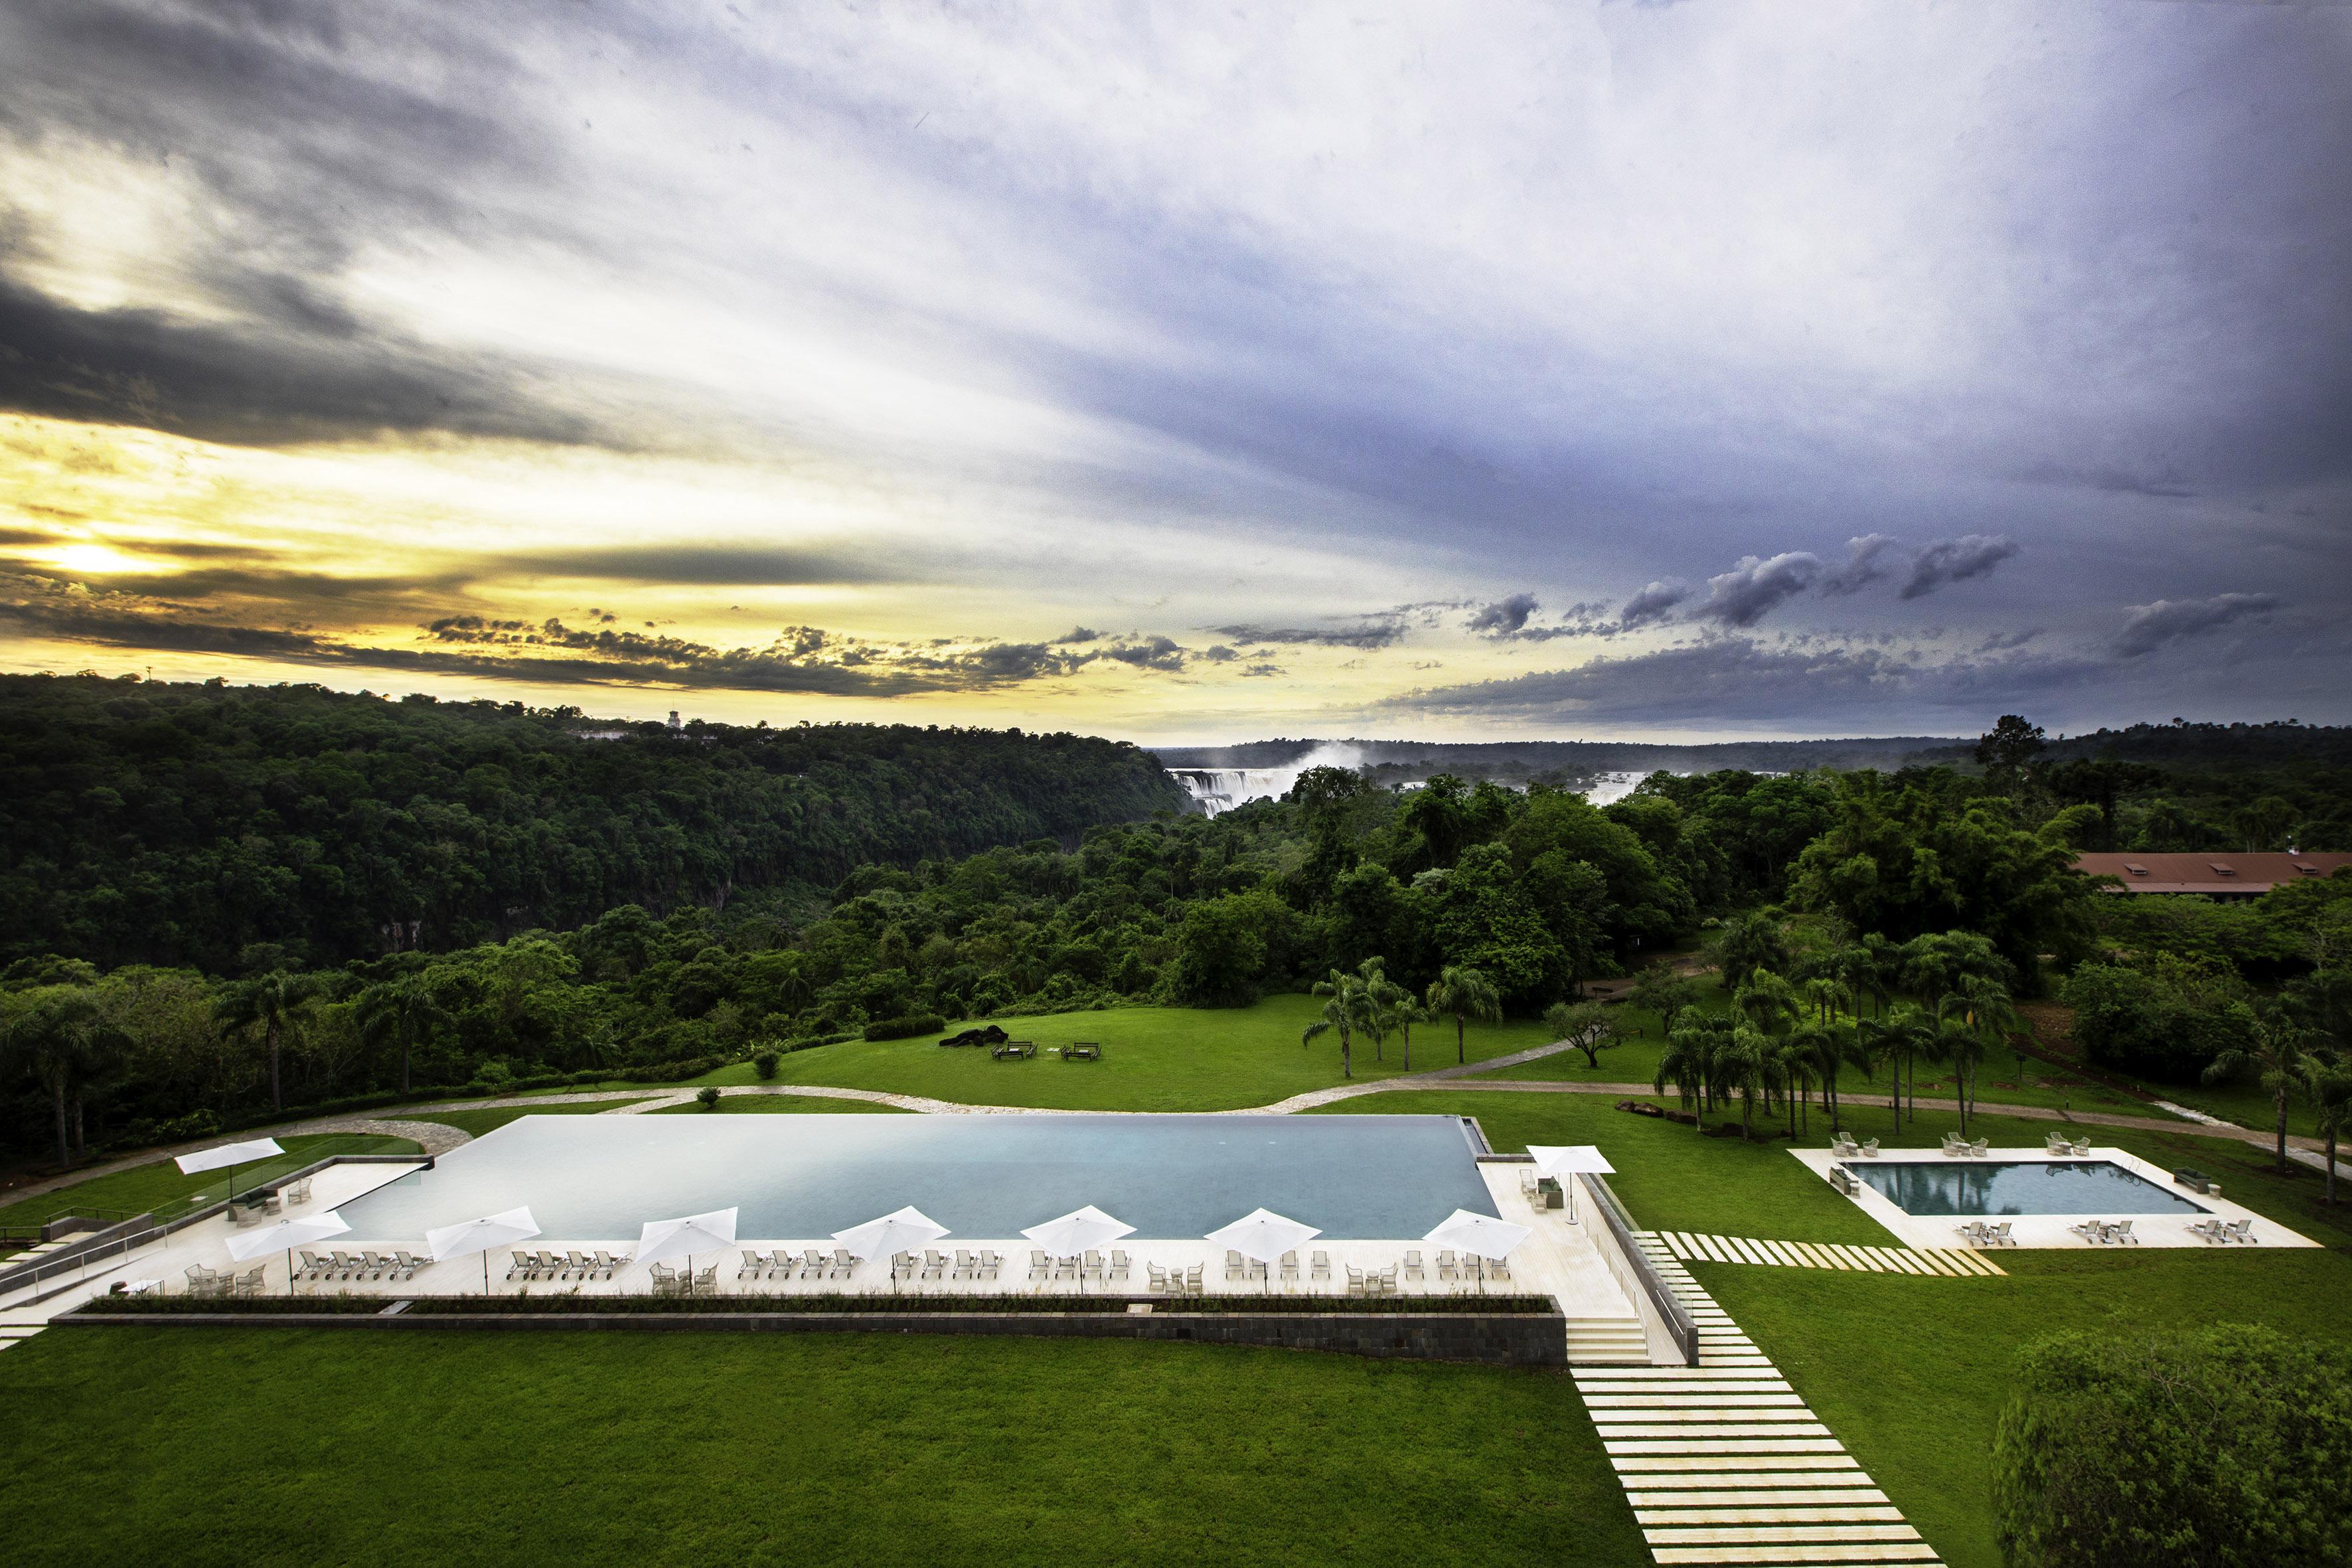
column 905, row 1028
column 763, row 1064
column 2229, row 1447
column 708, row 1097
column 2138, row 1024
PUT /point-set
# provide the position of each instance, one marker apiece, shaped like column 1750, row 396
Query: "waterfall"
column 1219, row 790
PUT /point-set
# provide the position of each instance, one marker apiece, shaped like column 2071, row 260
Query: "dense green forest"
column 182, row 825
column 1885, row 886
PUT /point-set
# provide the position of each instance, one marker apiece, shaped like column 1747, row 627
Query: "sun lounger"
column 1318, row 1265
column 844, row 1265
column 1999, row 1235
column 902, row 1266
column 526, row 1267
column 1066, row 1268
column 1118, row 1264
column 1412, row 1264
column 2090, row 1230
column 1496, row 1269
column 2121, row 1231
column 2211, row 1230
column 935, row 1264
column 1973, row 1232
column 378, row 1265
column 1093, row 1266
column 813, row 1264
column 1473, row 1269
column 989, row 1263
column 1290, row 1269
column 310, row 1266
column 965, row 1263
column 549, row 1265
column 1446, row 1267
column 1040, row 1266
column 409, row 1263
column 1233, row 1264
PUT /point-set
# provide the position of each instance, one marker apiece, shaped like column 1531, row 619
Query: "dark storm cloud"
column 1864, row 564
column 1653, row 602
column 1957, row 561
column 1504, row 617
column 237, row 384
column 712, row 564
column 1757, row 587
column 1372, row 631
column 2151, row 627
column 1753, row 681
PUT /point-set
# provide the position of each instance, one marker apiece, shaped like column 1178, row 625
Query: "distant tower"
column 673, row 719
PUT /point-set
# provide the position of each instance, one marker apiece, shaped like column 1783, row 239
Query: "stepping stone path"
column 1724, row 1463
column 1685, row 1246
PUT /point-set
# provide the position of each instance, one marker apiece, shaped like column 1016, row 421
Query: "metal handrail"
column 1677, row 1318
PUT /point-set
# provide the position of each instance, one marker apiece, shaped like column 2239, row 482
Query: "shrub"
column 763, row 1063
column 2228, row 1447
column 905, row 1028
column 2136, row 1022
column 708, row 1097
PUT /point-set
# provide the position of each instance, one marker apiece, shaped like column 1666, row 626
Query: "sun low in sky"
column 1613, row 368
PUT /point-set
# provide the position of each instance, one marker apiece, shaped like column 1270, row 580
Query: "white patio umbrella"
column 1561, row 1161
column 222, row 1154
column 893, row 1233
column 285, row 1235
column 1481, row 1235
column 660, row 1238
column 1262, row 1237
column 480, row 1235
column 1076, row 1231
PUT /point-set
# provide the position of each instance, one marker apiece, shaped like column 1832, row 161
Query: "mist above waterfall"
column 1216, row 790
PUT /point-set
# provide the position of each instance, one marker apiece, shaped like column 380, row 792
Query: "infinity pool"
column 2091, row 1186
column 984, row 1177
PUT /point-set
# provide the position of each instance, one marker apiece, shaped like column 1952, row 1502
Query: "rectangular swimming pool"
column 2024, row 1187
column 984, row 1177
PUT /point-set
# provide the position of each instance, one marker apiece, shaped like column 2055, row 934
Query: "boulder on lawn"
column 986, row 1035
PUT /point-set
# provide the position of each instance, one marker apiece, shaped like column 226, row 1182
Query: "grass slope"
column 1911, row 1373
column 159, row 1181
column 583, row 1449
column 1154, row 1059
column 783, row 1105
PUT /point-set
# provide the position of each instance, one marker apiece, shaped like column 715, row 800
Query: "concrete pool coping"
column 2043, row 1231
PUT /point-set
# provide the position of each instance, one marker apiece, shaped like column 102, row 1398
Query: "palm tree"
column 2280, row 1064
column 1740, row 1068
column 1382, row 997
column 1767, row 1001
column 1408, row 1011
column 1749, row 942
column 1686, row 1061
column 271, row 1003
column 1896, row 1040
column 1461, row 994
column 1344, row 1011
column 1959, row 1041
column 2329, row 1088
column 1789, row 1066
column 62, row 1036
column 403, row 1010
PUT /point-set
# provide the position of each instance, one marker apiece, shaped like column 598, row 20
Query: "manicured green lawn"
column 253, row 1447
column 781, row 1105
column 159, row 1181
column 1911, row 1373
column 490, row 1118
column 1154, row 1059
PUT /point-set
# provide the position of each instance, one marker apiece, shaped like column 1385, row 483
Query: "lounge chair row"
column 1959, row 1148
column 1977, row 1233
column 936, row 1265
column 2226, row 1230
column 1092, row 1264
column 2106, row 1232
column 1845, row 1148
column 2062, row 1146
column 566, row 1265
column 394, row 1265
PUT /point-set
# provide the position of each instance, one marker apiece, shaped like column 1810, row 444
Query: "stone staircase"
column 1605, row 1342
column 1724, row 1463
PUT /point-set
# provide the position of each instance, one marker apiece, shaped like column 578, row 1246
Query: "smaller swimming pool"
column 2059, row 1187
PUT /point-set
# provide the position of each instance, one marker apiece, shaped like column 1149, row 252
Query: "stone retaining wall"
column 1528, row 1339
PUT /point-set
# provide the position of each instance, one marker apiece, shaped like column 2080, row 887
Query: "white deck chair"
column 1118, row 1264
column 1355, row 1280
column 1318, row 1265
column 1193, row 1282
column 965, row 1264
column 935, row 1264
column 1233, row 1264
column 989, row 1263
column 1446, row 1267
column 1412, row 1263
column 1290, row 1269
column 1498, row 1268
column 1040, row 1266
column 842, row 1266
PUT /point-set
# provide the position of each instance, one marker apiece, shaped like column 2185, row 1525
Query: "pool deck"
column 2055, row 1230
column 1559, row 1260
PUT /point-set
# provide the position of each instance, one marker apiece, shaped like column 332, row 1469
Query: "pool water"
column 1991, row 1187
column 983, row 1177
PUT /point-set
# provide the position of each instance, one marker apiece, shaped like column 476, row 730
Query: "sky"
column 1627, row 370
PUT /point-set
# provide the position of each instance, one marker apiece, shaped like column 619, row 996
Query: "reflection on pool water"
column 1978, row 1187
column 984, row 1177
